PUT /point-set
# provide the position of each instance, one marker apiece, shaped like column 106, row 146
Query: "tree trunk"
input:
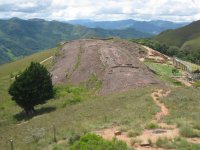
column 30, row 112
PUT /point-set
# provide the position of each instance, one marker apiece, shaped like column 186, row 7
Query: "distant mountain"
column 151, row 27
column 186, row 38
column 23, row 37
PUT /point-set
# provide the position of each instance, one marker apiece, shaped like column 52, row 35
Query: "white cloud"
column 174, row 10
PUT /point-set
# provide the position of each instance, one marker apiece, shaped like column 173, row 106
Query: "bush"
column 152, row 126
column 95, row 142
column 175, row 71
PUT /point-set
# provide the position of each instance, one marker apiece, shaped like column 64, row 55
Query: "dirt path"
column 164, row 110
column 153, row 54
column 164, row 130
column 183, row 81
column 51, row 57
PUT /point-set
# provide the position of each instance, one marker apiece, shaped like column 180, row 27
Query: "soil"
column 164, row 130
column 115, row 62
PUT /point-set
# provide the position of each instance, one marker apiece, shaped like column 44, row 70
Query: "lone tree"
column 32, row 87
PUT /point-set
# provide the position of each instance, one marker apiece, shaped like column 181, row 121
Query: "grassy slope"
column 6, row 72
column 131, row 109
column 186, row 38
column 192, row 44
column 91, row 113
column 179, row 36
column 164, row 72
column 184, row 105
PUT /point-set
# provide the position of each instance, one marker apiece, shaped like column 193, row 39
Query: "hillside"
column 112, row 61
column 151, row 27
column 186, row 38
column 129, row 103
column 19, row 38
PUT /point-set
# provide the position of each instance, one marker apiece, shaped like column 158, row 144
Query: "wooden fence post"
column 54, row 133
column 11, row 145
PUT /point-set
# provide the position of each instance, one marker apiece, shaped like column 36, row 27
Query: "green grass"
column 183, row 104
column 177, row 143
column 188, row 131
column 80, row 118
column 8, row 71
column 164, row 72
column 152, row 125
column 94, row 142
column 93, row 83
column 75, row 110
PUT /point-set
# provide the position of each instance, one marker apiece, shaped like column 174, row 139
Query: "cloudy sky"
column 174, row 10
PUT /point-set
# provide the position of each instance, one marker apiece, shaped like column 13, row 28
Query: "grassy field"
column 184, row 106
column 75, row 110
column 93, row 113
column 164, row 71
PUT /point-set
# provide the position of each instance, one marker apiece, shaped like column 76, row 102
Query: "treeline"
column 192, row 56
column 163, row 48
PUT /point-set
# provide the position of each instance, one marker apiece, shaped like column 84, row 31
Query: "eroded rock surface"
column 116, row 63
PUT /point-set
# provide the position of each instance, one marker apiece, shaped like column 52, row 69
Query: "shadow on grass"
column 22, row 115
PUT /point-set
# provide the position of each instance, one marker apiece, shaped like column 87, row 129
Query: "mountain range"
column 19, row 37
column 151, row 27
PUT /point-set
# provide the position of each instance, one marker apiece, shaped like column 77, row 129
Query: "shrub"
column 175, row 71
column 152, row 125
column 95, row 142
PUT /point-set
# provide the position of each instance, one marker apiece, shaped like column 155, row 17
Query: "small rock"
column 117, row 133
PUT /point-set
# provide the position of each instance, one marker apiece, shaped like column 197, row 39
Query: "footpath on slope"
column 164, row 130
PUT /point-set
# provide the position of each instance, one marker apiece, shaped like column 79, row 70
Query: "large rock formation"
column 115, row 62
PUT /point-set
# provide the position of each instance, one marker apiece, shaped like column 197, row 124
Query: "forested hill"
column 19, row 37
column 187, row 39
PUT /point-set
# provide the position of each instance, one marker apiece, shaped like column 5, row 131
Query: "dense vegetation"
column 94, row 142
column 19, row 38
column 32, row 87
column 163, row 48
column 170, row 50
column 187, row 39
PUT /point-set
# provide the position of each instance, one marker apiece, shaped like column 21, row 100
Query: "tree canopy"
column 32, row 87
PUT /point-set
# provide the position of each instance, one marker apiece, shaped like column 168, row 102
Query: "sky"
column 63, row 10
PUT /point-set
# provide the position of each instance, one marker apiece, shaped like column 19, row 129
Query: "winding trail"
column 164, row 130
column 164, row 110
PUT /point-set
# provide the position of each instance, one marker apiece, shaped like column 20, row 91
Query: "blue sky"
column 173, row 10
